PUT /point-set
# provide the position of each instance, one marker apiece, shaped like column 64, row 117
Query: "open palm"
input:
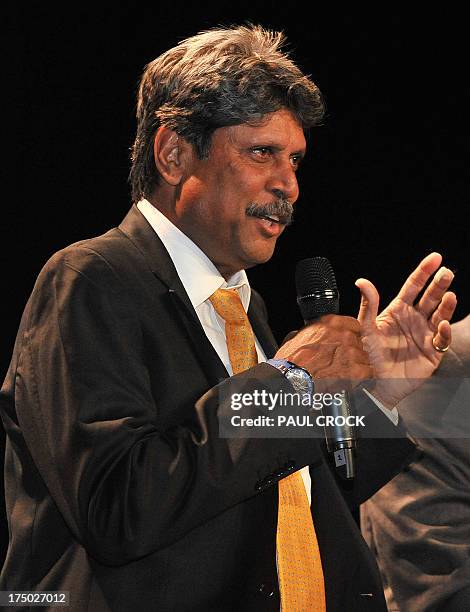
column 401, row 340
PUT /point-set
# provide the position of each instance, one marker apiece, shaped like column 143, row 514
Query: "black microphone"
column 317, row 295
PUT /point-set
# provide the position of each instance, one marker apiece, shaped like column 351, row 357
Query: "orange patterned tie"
column 300, row 571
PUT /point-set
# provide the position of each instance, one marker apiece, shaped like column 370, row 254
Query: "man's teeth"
column 270, row 218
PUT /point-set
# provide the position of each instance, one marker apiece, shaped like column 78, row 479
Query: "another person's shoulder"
column 461, row 339
column 456, row 363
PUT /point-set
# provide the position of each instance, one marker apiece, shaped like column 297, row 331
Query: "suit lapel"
column 213, row 366
column 139, row 231
column 260, row 326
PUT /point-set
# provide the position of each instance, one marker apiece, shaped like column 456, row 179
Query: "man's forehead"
column 277, row 127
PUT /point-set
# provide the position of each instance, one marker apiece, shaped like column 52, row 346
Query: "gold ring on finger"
column 438, row 348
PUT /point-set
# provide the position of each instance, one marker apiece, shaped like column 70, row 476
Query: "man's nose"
column 283, row 182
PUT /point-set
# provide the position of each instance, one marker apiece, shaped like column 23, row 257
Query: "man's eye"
column 296, row 160
column 261, row 151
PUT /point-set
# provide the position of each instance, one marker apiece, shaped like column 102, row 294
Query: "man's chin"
column 261, row 256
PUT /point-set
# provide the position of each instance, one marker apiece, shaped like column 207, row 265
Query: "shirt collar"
column 198, row 274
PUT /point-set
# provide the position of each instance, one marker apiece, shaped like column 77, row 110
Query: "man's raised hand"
column 401, row 342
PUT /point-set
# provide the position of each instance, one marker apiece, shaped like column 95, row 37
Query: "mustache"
column 281, row 207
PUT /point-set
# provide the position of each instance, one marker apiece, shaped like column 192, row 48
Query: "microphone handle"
column 340, row 439
column 340, row 435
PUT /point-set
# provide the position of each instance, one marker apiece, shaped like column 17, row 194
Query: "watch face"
column 300, row 379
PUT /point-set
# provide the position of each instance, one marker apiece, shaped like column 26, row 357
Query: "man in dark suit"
column 418, row 525
column 119, row 488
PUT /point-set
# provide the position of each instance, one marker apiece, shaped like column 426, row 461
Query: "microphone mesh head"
column 317, row 292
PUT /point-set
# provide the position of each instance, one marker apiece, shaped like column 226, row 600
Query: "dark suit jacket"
column 118, row 487
column 418, row 525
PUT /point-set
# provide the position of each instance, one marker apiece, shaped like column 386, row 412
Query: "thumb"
column 369, row 307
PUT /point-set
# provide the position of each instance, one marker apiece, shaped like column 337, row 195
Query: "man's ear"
column 170, row 153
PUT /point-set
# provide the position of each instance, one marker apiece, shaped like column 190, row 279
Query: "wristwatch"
column 297, row 376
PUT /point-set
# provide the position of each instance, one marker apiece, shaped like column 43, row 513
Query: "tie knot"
column 228, row 305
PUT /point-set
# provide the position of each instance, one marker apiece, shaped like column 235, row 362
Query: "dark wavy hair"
column 220, row 77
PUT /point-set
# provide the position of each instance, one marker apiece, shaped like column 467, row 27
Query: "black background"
column 385, row 181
